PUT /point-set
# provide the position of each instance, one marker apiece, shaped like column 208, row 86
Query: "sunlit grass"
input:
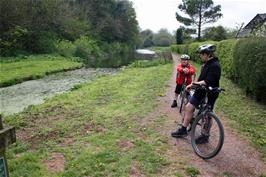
column 33, row 68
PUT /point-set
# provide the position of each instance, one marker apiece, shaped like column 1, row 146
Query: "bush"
column 116, row 54
column 249, row 64
column 86, row 47
column 41, row 42
column 183, row 48
column 47, row 42
column 20, row 41
column 12, row 43
column 225, row 51
column 192, row 50
column 95, row 55
column 65, row 48
column 162, row 42
column 88, row 50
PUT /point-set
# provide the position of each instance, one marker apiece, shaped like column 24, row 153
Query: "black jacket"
column 211, row 72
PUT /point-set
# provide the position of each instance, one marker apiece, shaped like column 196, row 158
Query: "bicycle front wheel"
column 207, row 135
column 181, row 108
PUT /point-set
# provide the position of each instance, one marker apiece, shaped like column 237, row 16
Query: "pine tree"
column 200, row 12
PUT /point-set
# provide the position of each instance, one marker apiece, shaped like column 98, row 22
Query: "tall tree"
column 200, row 12
column 183, row 35
column 125, row 21
column 163, row 38
column 146, row 38
column 36, row 26
column 179, row 36
column 215, row 33
column 113, row 20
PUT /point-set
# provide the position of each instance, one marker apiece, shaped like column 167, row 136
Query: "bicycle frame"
column 183, row 95
column 204, row 107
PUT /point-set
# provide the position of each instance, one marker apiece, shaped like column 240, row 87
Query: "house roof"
column 263, row 16
column 256, row 22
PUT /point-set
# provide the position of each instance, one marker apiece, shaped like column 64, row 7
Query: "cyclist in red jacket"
column 185, row 71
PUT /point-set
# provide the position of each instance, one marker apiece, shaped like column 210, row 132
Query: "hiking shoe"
column 202, row 139
column 174, row 104
column 179, row 133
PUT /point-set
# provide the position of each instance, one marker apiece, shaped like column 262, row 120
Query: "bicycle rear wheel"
column 183, row 100
column 207, row 135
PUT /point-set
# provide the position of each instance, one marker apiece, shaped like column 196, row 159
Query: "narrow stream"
column 16, row 98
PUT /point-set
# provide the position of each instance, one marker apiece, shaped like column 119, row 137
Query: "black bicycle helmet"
column 206, row 48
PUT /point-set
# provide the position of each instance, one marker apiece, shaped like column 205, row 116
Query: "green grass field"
column 96, row 128
column 33, row 67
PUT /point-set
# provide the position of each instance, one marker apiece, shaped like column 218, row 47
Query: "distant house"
column 255, row 26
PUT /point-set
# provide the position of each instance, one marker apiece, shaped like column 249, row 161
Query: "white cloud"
column 157, row 14
column 239, row 11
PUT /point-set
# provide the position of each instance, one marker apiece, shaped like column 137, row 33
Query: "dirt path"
column 236, row 159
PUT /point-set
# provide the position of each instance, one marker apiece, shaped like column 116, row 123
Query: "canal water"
column 16, row 98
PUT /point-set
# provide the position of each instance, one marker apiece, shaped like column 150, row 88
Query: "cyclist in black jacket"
column 209, row 76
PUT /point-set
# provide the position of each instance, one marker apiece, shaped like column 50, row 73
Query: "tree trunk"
column 199, row 31
column 200, row 17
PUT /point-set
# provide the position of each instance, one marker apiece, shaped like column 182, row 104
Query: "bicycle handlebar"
column 216, row 89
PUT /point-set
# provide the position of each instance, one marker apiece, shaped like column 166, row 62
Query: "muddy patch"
column 55, row 163
column 125, row 145
column 93, row 128
column 135, row 171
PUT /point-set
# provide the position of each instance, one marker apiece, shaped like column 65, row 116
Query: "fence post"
column 7, row 137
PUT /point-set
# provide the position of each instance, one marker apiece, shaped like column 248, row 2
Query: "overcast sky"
column 157, row 14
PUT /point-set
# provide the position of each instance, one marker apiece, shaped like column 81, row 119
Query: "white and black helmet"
column 206, row 48
column 185, row 57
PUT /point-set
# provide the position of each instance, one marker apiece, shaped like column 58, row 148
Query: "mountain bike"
column 206, row 123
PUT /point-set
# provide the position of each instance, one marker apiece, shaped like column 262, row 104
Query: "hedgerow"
column 249, row 61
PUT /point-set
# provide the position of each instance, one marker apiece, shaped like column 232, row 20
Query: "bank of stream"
column 16, row 98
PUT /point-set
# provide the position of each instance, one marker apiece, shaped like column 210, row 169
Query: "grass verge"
column 33, row 67
column 95, row 128
column 160, row 49
column 245, row 114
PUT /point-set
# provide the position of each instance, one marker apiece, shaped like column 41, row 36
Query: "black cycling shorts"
column 178, row 89
column 198, row 96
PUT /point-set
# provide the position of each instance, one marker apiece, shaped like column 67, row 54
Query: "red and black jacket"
column 181, row 76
